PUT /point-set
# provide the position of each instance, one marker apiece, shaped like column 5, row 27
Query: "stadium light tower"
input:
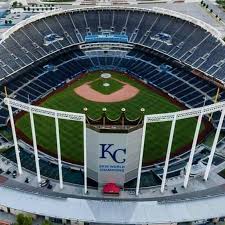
column 14, row 138
column 35, row 145
column 194, row 144
column 168, row 153
column 141, row 153
column 215, row 141
column 85, row 153
column 58, row 151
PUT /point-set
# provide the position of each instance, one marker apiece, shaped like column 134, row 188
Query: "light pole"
column 205, row 98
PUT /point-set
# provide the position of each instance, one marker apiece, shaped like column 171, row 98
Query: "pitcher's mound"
column 125, row 93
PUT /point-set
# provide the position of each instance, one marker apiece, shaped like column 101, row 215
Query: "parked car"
column 14, row 174
column 44, row 183
column 27, row 180
column 111, row 188
column 8, row 172
column 49, row 186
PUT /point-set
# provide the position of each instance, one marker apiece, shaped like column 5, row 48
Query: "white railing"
column 185, row 114
column 174, row 116
column 49, row 113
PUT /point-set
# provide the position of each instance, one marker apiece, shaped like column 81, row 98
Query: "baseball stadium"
column 113, row 115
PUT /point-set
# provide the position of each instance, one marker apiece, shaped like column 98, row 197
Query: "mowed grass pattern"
column 71, row 134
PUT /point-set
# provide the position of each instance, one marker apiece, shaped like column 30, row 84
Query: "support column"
column 85, row 155
column 194, row 143
column 215, row 141
column 168, row 153
column 215, row 101
column 141, row 156
column 14, row 138
column 58, row 151
column 35, row 146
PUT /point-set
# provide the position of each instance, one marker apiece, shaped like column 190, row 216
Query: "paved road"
column 207, row 193
column 216, row 11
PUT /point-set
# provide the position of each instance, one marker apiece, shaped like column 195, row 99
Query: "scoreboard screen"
column 106, row 38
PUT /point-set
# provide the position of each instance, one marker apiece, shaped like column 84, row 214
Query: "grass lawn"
column 221, row 3
column 71, row 132
column 114, row 86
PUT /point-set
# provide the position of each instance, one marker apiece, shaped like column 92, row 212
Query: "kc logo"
column 108, row 149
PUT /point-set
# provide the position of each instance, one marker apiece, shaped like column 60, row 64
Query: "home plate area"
column 106, row 89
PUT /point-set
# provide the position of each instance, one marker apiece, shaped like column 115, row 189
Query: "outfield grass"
column 71, row 132
column 114, row 85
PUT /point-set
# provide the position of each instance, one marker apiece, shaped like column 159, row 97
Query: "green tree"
column 14, row 4
column 22, row 219
column 46, row 222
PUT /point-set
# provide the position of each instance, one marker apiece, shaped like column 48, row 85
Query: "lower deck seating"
column 180, row 83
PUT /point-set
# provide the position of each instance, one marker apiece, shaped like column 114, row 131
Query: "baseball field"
column 118, row 91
